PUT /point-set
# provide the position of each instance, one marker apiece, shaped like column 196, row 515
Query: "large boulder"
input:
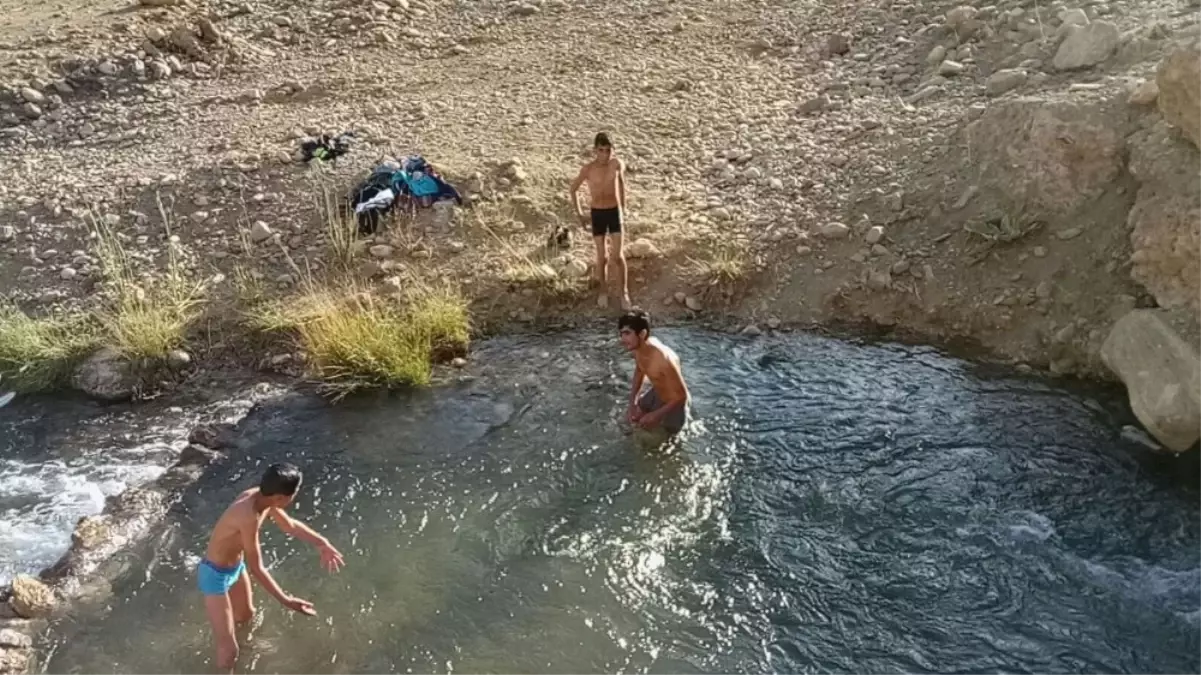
column 1179, row 80
column 107, row 375
column 1087, row 46
column 1049, row 156
column 1161, row 372
column 31, row 599
column 1165, row 236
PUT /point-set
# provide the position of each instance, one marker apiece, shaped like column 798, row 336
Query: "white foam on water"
column 40, row 503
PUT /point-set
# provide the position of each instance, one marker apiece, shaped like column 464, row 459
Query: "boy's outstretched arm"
column 331, row 558
column 254, row 562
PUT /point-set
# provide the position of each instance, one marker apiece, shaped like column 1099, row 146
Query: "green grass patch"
column 353, row 339
column 39, row 354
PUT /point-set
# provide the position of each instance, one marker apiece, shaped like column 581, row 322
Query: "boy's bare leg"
column 221, row 617
column 241, row 599
column 618, row 256
column 600, row 274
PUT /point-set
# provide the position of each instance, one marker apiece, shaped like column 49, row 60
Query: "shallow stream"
column 832, row 507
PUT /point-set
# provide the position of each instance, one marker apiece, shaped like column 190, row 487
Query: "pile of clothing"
column 410, row 184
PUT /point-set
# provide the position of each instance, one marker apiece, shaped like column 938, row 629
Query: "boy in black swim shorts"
column 605, row 176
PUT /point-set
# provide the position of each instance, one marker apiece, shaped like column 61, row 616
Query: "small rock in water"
column 752, row 330
column 459, row 362
column 198, row 455
column 773, row 323
column 874, row 235
column 692, row 303
column 1070, row 233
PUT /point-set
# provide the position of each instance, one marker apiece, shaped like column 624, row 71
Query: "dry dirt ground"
column 790, row 163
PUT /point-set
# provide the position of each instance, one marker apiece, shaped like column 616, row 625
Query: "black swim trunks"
column 649, row 401
column 606, row 221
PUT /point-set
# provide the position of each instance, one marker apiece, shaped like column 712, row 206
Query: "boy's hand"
column 331, row 558
column 649, row 421
column 303, row 606
column 634, row 413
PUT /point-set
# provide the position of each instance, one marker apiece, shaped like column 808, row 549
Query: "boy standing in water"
column 234, row 547
column 665, row 405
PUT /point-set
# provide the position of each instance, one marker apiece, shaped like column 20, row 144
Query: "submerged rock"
column 214, row 436
column 1162, row 375
column 198, row 455
column 31, row 599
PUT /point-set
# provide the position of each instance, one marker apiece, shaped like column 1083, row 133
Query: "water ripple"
column 834, row 507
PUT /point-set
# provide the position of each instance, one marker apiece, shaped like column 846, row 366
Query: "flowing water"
column 832, row 507
column 61, row 459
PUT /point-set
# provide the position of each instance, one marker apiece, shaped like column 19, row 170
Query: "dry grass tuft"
column 145, row 317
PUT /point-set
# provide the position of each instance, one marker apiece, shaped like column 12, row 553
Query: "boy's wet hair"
column 636, row 320
column 602, row 141
column 280, row 479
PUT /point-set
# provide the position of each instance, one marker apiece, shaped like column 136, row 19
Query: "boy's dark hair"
column 280, row 479
column 602, row 141
column 636, row 320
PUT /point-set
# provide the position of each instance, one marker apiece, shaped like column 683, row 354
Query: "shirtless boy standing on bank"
column 605, row 176
column 234, row 548
column 665, row 404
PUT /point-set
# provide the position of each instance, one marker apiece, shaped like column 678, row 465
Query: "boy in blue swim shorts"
column 233, row 551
